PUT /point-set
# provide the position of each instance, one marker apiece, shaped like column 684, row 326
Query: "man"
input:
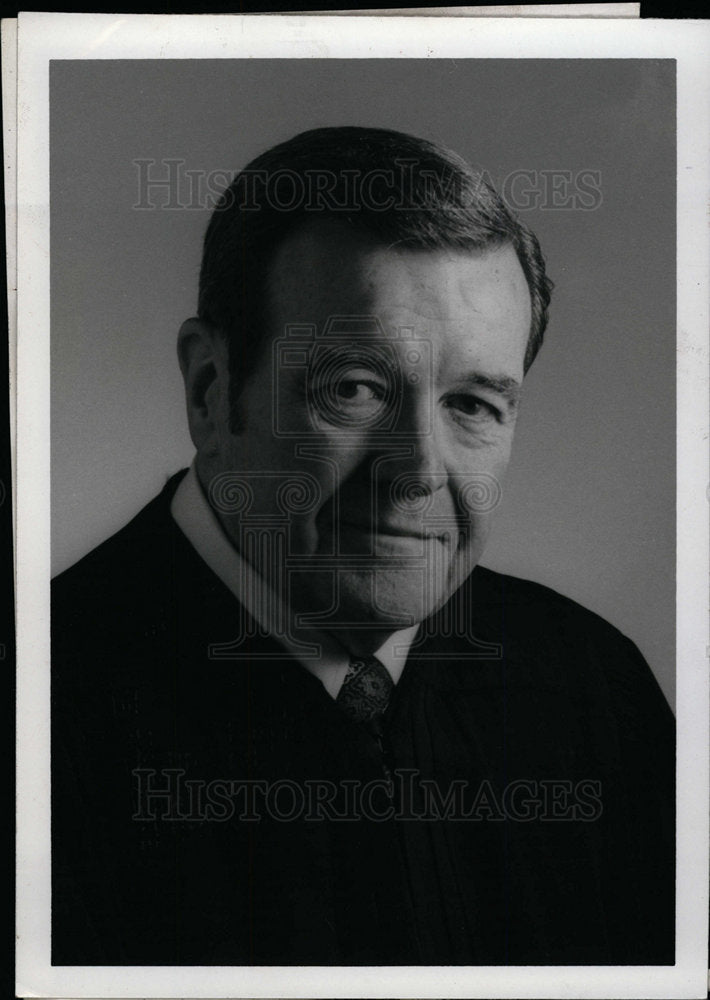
column 294, row 722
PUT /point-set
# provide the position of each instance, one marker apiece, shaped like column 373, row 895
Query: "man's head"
column 368, row 308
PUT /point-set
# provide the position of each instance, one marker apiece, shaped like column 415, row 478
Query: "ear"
column 202, row 354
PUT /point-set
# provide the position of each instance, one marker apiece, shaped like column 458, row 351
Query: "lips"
column 396, row 530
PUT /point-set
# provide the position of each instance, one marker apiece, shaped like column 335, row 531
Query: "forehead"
column 464, row 301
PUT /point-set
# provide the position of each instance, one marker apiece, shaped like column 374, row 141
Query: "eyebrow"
column 502, row 385
column 361, row 353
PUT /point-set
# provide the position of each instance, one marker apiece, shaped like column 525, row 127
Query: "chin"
column 374, row 598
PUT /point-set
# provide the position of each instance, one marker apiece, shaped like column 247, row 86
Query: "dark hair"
column 400, row 189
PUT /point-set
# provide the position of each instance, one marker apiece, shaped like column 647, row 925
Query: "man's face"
column 398, row 432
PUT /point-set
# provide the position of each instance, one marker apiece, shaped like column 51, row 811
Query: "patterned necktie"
column 366, row 690
column 364, row 696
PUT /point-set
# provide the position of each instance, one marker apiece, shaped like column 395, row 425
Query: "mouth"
column 389, row 530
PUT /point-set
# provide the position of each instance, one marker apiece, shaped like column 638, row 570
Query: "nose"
column 411, row 459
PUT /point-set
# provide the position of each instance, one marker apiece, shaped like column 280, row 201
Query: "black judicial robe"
column 530, row 819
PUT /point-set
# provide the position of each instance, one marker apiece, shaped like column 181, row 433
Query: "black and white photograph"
column 364, row 432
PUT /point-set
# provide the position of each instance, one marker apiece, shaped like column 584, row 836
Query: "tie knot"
column 366, row 689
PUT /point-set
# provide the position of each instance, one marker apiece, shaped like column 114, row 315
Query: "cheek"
column 476, row 482
column 335, row 461
column 319, row 471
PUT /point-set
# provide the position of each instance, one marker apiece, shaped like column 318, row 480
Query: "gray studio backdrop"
column 585, row 151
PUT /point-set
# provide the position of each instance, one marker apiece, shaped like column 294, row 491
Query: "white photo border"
column 42, row 37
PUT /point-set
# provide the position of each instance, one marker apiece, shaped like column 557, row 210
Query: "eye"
column 472, row 409
column 354, row 397
column 358, row 391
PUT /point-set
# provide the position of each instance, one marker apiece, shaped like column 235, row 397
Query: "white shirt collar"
column 328, row 660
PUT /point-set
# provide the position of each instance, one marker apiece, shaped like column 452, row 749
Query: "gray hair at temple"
column 400, row 189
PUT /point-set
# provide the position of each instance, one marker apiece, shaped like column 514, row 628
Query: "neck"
column 362, row 642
